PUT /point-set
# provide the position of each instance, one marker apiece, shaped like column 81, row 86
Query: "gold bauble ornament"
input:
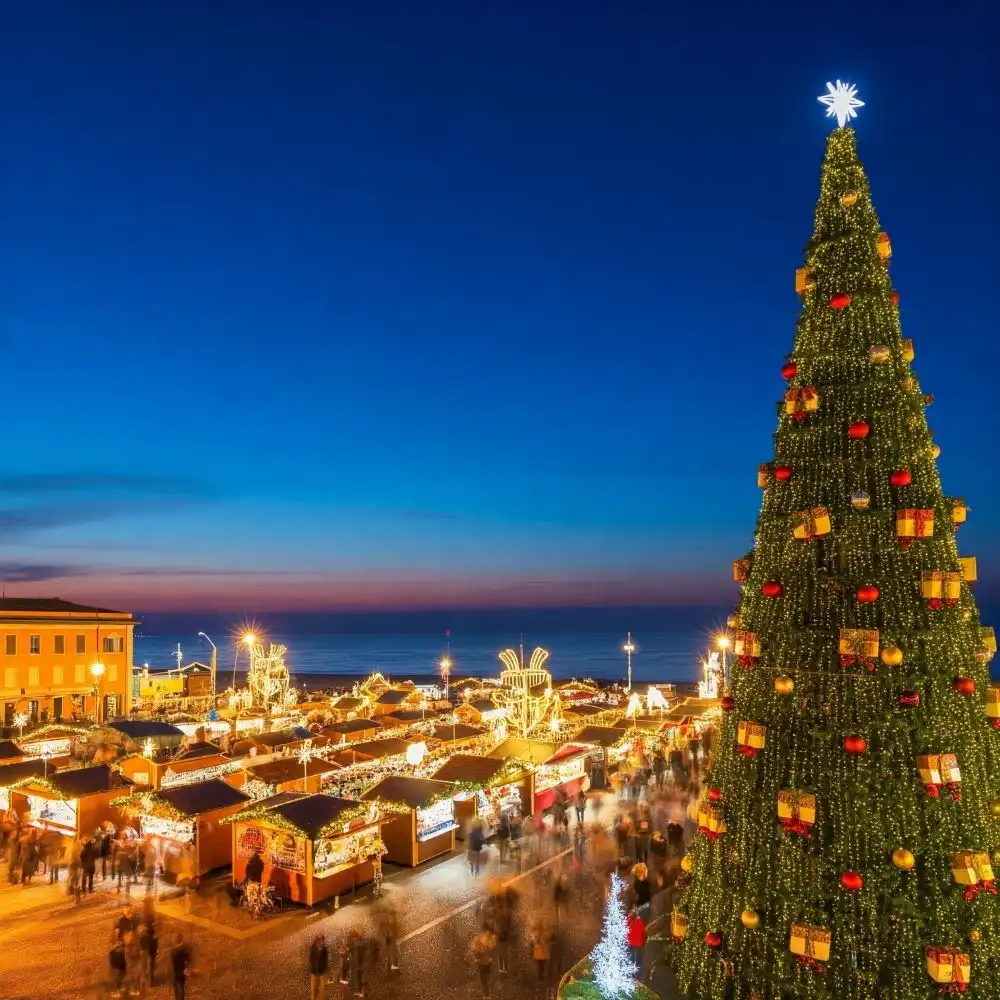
column 903, row 859
column 995, row 808
column 975, row 935
column 849, row 198
column 750, row 919
column 860, row 500
column 878, row 354
column 687, row 864
column 784, row 685
column 892, row 656
column 733, row 621
column 935, row 451
column 909, row 383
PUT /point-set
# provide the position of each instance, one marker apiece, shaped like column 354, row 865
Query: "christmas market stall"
column 284, row 774
column 132, row 735
column 313, row 847
column 187, row 818
column 12, row 774
column 168, row 768
column 10, row 752
column 426, row 825
column 479, row 711
column 71, row 803
column 454, row 737
column 54, row 741
column 396, row 698
column 282, row 741
column 486, row 787
column 565, row 771
column 350, row 730
column 365, row 764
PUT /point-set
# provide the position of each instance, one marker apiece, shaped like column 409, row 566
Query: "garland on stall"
column 267, row 814
column 148, row 803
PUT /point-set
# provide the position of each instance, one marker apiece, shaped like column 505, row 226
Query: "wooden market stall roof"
column 201, row 797
column 11, row 774
column 469, row 769
column 587, row 711
column 413, row 792
column 9, row 750
column 372, row 749
column 348, row 703
column 698, row 707
column 647, row 723
column 279, row 772
column 145, row 729
column 334, row 730
column 312, row 816
column 532, row 751
column 395, row 696
column 76, row 783
column 410, row 715
column 452, row 734
column 600, row 736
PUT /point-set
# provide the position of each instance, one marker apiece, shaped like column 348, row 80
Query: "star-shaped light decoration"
column 20, row 720
column 840, row 102
column 148, row 750
column 305, row 753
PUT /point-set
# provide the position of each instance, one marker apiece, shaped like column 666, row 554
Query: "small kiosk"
column 53, row 741
column 14, row 774
column 10, row 753
column 486, row 787
column 350, row 729
column 71, row 803
column 458, row 735
column 286, row 774
column 313, row 846
column 566, row 769
column 169, row 768
column 426, row 825
column 185, row 818
column 365, row 764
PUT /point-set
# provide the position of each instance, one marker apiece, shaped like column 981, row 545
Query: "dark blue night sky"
column 431, row 303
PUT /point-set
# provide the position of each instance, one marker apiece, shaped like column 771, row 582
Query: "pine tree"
column 861, row 652
column 611, row 964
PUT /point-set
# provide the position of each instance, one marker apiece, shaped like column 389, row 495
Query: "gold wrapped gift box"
column 795, row 805
column 810, row 942
column 746, row 644
column 963, row 869
column 807, row 524
column 751, row 734
column 710, row 818
column 802, row 400
column 678, row 924
column 967, row 564
column 993, row 701
column 859, row 642
column 948, row 965
column 741, row 570
column 932, row 584
column 914, row 522
column 989, row 638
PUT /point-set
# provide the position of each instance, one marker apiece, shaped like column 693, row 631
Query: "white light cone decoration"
column 613, row 969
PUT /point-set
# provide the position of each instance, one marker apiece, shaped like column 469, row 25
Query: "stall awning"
column 416, row 793
column 452, row 734
column 600, row 736
column 532, row 751
column 201, row 797
column 11, row 774
column 372, row 750
column 279, row 772
column 468, row 769
column 79, row 782
column 312, row 816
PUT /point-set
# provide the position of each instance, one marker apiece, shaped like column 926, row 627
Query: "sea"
column 582, row 642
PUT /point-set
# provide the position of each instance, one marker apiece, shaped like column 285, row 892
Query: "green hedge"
column 577, row 985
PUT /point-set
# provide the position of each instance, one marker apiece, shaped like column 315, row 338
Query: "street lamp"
column 247, row 639
column 215, row 660
column 629, row 649
column 97, row 672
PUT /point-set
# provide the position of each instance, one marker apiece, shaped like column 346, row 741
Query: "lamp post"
column 97, row 672
column 215, row 661
column 445, row 666
column 629, row 649
column 247, row 639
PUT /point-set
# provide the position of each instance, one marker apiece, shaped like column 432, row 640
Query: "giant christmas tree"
column 851, row 817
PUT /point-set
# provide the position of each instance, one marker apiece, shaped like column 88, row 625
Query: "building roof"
column 278, row 772
column 83, row 781
column 451, row 734
column 12, row 773
column 350, row 726
column 410, row 715
column 386, row 747
column 600, row 736
column 312, row 813
column 9, row 750
column 51, row 605
column 586, row 711
column 394, row 697
column 532, row 751
column 199, row 749
column 483, row 705
column 467, row 767
column 348, row 703
column 281, row 737
column 414, row 792
column 141, row 729
column 202, row 797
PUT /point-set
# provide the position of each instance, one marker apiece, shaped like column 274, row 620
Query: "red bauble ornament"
column 782, row 473
column 965, row 685
column 840, row 300
column 858, row 431
column 855, row 744
column 772, row 588
column 851, row 881
column 909, row 699
column 901, row 477
column 867, row 594
column 714, row 794
column 728, row 703
column 895, row 297
column 713, row 939
column 789, row 369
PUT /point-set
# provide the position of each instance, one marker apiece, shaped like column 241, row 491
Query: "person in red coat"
column 636, row 939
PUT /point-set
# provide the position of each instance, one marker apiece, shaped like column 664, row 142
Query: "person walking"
column 476, row 842
column 357, row 966
column 88, row 867
column 390, row 935
column 643, row 833
column 181, row 957
column 642, row 891
column 319, row 962
column 637, row 940
column 149, row 946
column 541, row 950
column 659, row 768
column 106, row 851
column 117, row 961
column 483, row 948
column 503, row 835
column 580, row 804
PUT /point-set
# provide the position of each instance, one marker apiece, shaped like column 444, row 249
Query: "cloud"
column 18, row 572
column 101, row 484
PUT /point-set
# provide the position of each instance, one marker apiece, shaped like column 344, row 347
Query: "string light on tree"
column 841, row 102
column 613, row 968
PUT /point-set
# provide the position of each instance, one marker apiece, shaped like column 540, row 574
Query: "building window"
column 81, row 644
column 114, row 644
column 79, row 673
column 34, row 644
column 10, row 678
column 34, row 677
column 60, row 645
column 112, row 671
column 11, row 645
column 57, row 676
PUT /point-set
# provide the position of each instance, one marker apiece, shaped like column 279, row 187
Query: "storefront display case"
column 426, row 823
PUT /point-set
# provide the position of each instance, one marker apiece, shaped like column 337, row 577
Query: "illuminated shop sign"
column 55, row 813
column 436, row 819
column 169, row 829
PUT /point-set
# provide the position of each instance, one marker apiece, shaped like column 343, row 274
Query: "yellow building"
column 63, row 660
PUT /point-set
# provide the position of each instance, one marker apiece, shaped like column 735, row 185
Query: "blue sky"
column 312, row 304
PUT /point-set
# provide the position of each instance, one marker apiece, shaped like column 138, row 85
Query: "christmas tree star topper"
column 841, row 101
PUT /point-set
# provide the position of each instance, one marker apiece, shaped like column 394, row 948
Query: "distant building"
column 63, row 660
